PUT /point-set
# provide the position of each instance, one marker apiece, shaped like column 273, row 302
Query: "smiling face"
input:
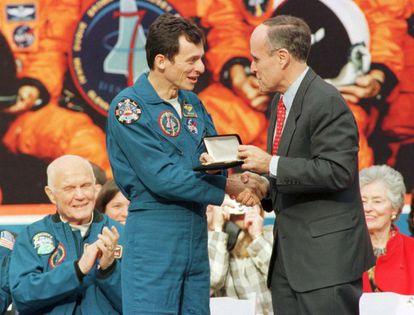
column 186, row 67
column 72, row 190
column 377, row 207
column 117, row 208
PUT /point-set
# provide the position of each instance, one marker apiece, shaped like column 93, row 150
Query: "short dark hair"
column 106, row 194
column 100, row 176
column 164, row 33
column 291, row 33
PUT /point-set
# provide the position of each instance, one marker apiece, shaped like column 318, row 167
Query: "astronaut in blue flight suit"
column 68, row 263
column 155, row 133
column 7, row 240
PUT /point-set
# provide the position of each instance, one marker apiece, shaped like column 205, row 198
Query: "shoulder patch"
column 127, row 111
column 7, row 239
column 169, row 124
column 43, row 243
column 58, row 256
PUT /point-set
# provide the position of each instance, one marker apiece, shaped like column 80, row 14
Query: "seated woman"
column 383, row 192
column 239, row 248
column 112, row 202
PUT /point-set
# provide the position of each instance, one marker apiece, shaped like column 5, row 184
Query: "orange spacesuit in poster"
column 233, row 98
column 40, row 32
column 230, row 24
column 398, row 122
column 390, row 53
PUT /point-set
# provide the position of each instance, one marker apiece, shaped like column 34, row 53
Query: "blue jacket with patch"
column 43, row 278
column 5, row 297
column 153, row 151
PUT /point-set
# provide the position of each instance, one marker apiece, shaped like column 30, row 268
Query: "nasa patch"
column 127, row 111
column 170, row 125
column 23, row 36
column 192, row 125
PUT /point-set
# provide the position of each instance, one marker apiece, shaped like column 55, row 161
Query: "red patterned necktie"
column 281, row 114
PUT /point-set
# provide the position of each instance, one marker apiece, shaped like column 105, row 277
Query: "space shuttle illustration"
column 128, row 56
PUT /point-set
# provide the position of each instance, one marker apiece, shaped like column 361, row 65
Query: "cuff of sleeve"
column 79, row 273
column 389, row 83
column 273, row 166
column 107, row 272
column 44, row 96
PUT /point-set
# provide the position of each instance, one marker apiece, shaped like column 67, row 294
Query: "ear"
column 284, row 58
column 49, row 193
column 160, row 61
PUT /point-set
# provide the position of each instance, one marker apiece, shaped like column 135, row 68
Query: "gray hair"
column 63, row 160
column 391, row 178
column 291, row 33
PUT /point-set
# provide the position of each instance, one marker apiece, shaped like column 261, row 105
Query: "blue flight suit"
column 43, row 277
column 152, row 152
column 5, row 251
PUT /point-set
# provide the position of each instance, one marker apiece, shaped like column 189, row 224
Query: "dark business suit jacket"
column 320, row 224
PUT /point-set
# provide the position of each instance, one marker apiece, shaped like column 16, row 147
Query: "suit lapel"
column 294, row 113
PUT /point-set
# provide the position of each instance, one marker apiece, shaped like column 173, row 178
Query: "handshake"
column 247, row 188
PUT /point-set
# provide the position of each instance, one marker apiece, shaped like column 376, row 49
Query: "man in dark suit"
column 321, row 243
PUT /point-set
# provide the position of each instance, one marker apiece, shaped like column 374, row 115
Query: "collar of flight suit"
column 143, row 87
column 97, row 217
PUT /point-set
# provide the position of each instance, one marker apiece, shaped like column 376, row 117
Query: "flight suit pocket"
column 331, row 224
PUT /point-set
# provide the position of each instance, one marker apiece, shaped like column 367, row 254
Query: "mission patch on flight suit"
column 127, row 111
column 43, row 243
column 188, row 111
column 192, row 125
column 170, row 125
column 58, row 256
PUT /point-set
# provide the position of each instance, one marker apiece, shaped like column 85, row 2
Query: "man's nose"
column 79, row 193
column 200, row 66
column 253, row 67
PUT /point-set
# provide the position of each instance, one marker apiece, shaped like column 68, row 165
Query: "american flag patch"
column 7, row 239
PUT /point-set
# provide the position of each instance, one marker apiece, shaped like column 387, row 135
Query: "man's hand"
column 247, row 87
column 206, row 158
column 366, row 86
column 261, row 183
column 217, row 216
column 26, row 98
column 253, row 222
column 255, row 159
column 247, row 192
column 107, row 243
column 88, row 259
